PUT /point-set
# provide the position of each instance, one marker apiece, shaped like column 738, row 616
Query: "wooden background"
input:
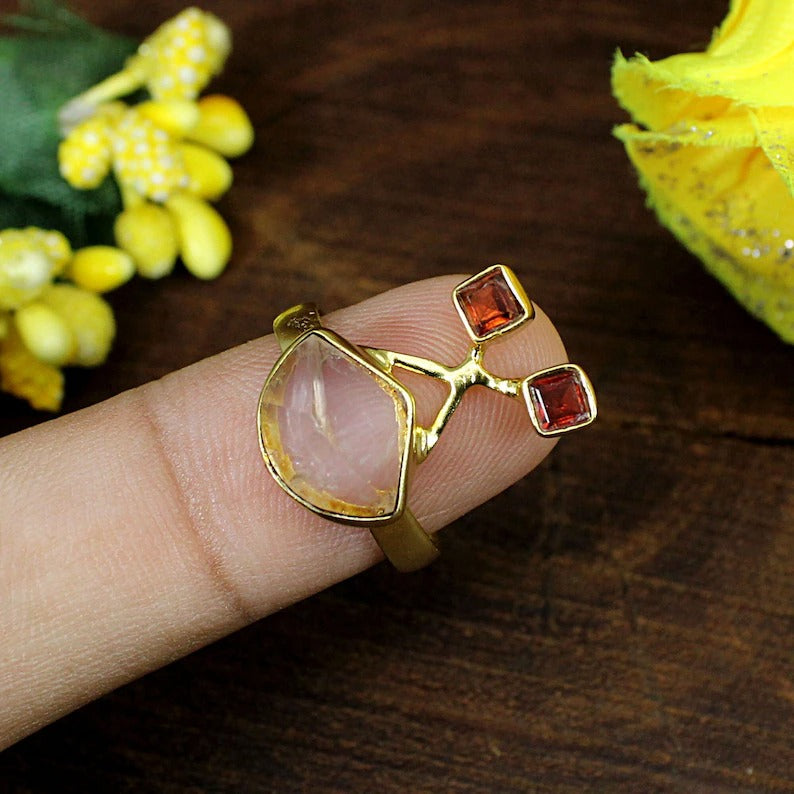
column 623, row 620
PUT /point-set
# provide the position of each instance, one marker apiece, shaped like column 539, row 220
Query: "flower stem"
column 83, row 106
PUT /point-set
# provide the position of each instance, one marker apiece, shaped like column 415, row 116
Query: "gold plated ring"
column 305, row 429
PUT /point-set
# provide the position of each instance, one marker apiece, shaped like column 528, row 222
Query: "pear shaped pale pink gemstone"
column 335, row 431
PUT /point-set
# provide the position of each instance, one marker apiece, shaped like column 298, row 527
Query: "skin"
column 142, row 528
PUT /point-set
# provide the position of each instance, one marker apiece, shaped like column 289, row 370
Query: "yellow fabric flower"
column 175, row 62
column 205, row 243
column 169, row 150
column 183, row 54
column 84, row 157
column 167, row 155
column 146, row 158
column 222, row 125
column 24, row 375
column 44, row 333
column 164, row 152
column 101, row 268
column 29, row 259
column 147, row 232
column 713, row 142
column 46, row 323
column 89, row 318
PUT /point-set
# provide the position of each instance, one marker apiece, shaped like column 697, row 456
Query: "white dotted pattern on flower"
column 146, row 159
column 84, row 155
column 55, row 244
column 184, row 53
column 26, row 266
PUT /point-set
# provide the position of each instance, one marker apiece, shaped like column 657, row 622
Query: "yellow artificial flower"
column 29, row 259
column 146, row 159
column 47, row 323
column 205, row 243
column 45, row 333
column 88, row 317
column 176, row 116
column 167, row 155
column 175, row 62
column 101, row 268
column 26, row 376
column 147, row 232
column 84, row 157
column 167, row 151
column 156, row 159
column 713, row 142
column 222, row 125
column 209, row 175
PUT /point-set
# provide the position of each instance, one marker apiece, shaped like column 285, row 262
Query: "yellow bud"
column 88, row 317
column 223, row 126
column 84, row 155
column 101, row 268
column 25, row 267
column 148, row 234
column 5, row 324
column 45, row 333
column 210, row 175
column 205, row 240
column 24, row 375
column 183, row 54
column 176, row 116
column 55, row 244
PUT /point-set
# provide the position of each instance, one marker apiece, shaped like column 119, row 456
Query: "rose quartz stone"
column 335, row 431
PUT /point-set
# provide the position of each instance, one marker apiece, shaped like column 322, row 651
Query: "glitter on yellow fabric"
column 713, row 143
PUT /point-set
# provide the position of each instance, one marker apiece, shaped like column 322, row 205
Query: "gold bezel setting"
column 360, row 358
column 532, row 400
column 526, row 314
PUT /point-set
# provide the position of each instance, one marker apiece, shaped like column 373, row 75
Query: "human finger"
column 140, row 529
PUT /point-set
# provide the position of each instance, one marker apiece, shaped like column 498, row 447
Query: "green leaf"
column 38, row 74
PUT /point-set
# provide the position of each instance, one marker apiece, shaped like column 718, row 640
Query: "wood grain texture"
column 623, row 620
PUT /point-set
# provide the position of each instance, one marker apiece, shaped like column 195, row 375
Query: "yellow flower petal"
column 749, row 62
column 176, row 116
column 775, row 132
column 731, row 209
column 210, row 175
column 205, row 241
column 88, row 317
column 44, row 333
column 223, row 126
column 25, row 376
column 101, row 268
column 148, row 234
column 717, row 157
column 654, row 101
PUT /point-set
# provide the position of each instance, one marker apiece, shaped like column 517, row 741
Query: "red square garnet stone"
column 489, row 303
column 560, row 400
